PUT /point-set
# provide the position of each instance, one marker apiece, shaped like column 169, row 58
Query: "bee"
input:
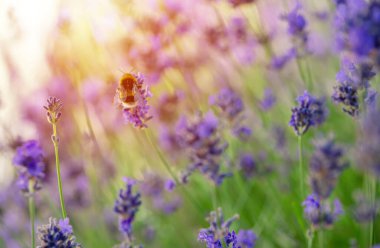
column 128, row 90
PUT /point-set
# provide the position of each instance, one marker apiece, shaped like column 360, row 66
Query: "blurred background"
column 188, row 51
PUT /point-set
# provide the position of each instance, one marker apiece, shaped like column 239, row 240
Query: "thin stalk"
column 310, row 239
column 58, row 167
column 32, row 212
column 301, row 166
column 162, row 158
column 321, row 238
column 372, row 193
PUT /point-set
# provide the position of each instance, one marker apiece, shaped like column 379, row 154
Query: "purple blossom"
column 311, row 111
column 357, row 23
column 132, row 96
column 200, row 137
column 278, row 62
column 325, row 167
column 29, row 159
column 246, row 239
column 232, row 107
column 321, row 213
column 268, row 101
column 57, row 235
column 247, row 165
column 126, row 206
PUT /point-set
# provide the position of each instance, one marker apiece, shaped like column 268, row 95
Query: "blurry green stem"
column 301, row 166
column 161, row 156
column 32, row 211
column 310, row 238
column 58, row 167
column 321, row 238
column 372, row 193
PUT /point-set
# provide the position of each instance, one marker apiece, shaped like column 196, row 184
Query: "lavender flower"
column 30, row 159
column 59, row 235
column 53, row 109
column 248, row 165
column 246, row 239
column 357, row 23
column 368, row 145
column 131, row 96
column 219, row 233
column 311, row 111
column 126, row 206
column 201, row 138
column 319, row 213
column 160, row 192
column 364, row 210
column 351, row 78
column 278, row 62
column 325, row 168
column 297, row 29
column 218, row 230
column 268, row 101
column 232, row 107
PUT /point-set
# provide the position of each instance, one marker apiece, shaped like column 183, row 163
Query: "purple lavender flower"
column 218, row 231
column 200, row 137
column 297, row 28
column 160, row 193
column 368, row 145
column 311, row 111
column 131, row 96
column 247, row 165
column 357, row 23
column 57, row 235
column 319, row 213
column 30, row 159
column 232, row 108
column 364, row 210
column 246, row 239
column 268, row 101
column 126, row 206
column 325, row 168
column 278, row 62
column 351, row 78
column 231, row 239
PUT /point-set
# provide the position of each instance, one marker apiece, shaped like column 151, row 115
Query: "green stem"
column 32, row 212
column 161, row 156
column 58, row 167
column 301, row 166
column 310, row 238
column 372, row 194
column 321, row 239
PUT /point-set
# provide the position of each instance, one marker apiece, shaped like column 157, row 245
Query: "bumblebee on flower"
column 131, row 96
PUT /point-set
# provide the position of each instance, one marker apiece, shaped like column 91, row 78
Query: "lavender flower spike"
column 311, row 111
column 58, row 235
column 30, row 160
column 126, row 206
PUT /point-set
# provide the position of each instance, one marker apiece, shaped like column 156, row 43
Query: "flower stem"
column 310, row 238
column 301, row 166
column 321, row 238
column 32, row 212
column 57, row 164
column 372, row 198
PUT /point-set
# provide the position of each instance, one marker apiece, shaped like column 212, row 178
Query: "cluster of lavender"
column 311, row 111
column 352, row 79
column 201, row 138
column 357, row 24
column 30, row 160
column 219, row 235
column 161, row 193
column 59, row 235
column 232, row 109
column 126, row 206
